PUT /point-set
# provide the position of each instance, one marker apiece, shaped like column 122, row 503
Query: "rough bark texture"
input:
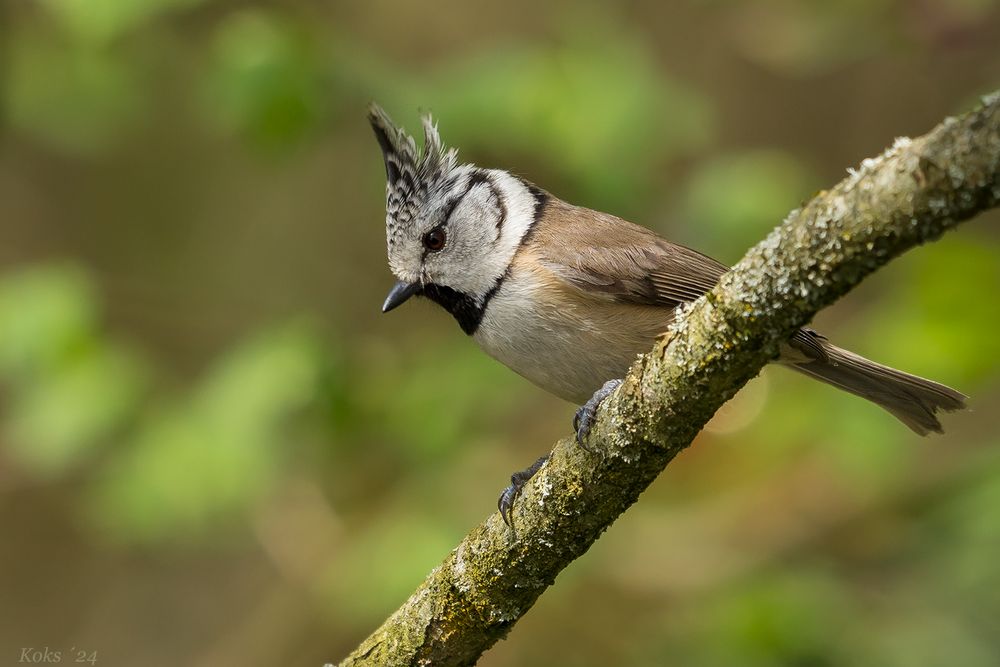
column 909, row 195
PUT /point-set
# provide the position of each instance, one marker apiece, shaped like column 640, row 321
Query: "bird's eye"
column 434, row 239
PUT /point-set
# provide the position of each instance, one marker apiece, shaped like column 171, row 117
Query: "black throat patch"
column 466, row 310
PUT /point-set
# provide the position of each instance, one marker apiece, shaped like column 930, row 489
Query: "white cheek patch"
column 484, row 230
column 479, row 219
column 519, row 205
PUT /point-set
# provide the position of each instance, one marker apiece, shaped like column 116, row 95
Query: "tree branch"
column 909, row 195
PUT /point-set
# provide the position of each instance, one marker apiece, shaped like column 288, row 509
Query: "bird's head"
column 451, row 229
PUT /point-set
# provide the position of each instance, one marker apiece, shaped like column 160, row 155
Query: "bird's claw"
column 584, row 418
column 505, row 503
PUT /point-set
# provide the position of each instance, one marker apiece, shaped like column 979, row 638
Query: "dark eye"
column 434, row 239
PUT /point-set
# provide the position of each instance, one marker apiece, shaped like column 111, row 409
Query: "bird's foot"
column 584, row 418
column 505, row 503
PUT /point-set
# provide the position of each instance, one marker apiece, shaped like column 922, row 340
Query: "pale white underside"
column 568, row 349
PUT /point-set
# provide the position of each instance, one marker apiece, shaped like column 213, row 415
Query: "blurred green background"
column 214, row 450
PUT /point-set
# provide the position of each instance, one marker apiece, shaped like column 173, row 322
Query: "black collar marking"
column 541, row 199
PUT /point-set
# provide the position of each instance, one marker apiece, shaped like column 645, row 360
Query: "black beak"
column 399, row 293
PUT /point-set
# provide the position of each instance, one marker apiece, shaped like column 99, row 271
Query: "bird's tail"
column 910, row 399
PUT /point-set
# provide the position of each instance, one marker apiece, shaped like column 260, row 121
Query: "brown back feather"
column 603, row 254
column 606, row 256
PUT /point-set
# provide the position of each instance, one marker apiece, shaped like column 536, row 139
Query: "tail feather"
column 910, row 399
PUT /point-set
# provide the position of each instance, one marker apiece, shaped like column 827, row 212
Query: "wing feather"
column 610, row 258
column 615, row 259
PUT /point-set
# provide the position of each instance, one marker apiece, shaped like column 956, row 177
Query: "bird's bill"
column 399, row 293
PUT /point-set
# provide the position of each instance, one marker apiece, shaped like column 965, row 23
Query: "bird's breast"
column 562, row 340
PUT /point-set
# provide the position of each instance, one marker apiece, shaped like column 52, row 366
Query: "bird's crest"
column 412, row 178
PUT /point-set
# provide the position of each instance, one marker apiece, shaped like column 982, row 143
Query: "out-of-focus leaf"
column 808, row 38
column 962, row 534
column 263, row 380
column 73, row 97
column 217, row 453
column 789, row 619
column 102, row 20
column 59, row 419
column 398, row 398
column 68, row 389
column 940, row 323
column 387, row 561
column 265, row 81
column 183, row 472
column 919, row 633
column 48, row 318
column 733, row 200
column 601, row 112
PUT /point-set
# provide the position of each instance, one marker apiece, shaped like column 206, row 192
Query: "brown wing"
column 607, row 256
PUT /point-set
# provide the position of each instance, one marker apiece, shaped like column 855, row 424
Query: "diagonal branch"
column 909, row 195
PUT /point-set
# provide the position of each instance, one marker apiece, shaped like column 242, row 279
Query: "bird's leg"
column 505, row 503
column 584, row 418
column 582, row 422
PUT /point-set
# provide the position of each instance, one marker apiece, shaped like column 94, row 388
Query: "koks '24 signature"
column 42, row 655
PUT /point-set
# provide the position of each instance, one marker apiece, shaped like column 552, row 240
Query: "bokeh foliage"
column 214, row 450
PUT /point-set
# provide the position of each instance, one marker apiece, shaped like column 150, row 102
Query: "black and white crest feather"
column 412, row 178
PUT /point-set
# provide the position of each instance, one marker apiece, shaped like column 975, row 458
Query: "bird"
column 566, row 296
